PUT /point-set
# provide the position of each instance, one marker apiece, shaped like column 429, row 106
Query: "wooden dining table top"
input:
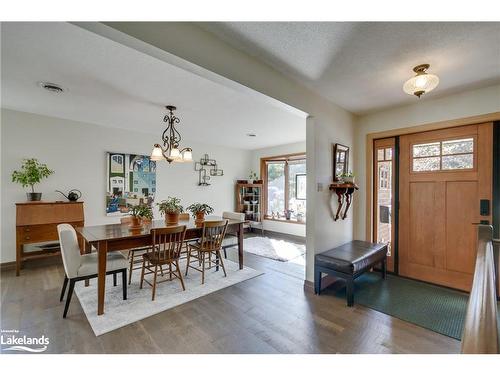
column 120, row 231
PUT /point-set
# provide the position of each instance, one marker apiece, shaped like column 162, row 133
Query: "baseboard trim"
column 7, row 266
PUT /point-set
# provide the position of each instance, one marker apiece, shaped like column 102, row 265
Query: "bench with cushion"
column 349, row 261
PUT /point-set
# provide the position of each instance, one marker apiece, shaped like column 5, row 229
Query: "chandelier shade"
column 171, row 139
column 422, row 82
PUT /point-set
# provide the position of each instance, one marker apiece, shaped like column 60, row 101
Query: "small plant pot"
column 172, row 218
column 349, row 180
column 32, row 197
column 199, row 217
column 135, row 223
column 146, row 221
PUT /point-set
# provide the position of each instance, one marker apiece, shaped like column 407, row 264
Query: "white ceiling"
column 362, row 66
column 113, row 85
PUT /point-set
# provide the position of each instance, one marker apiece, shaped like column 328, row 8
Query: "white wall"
column 327, row 123
column 465, row 104
column 76, row 151
column 291, row 148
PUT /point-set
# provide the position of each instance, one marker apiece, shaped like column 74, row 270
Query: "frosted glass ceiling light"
column 171, row 139
column 422, row 82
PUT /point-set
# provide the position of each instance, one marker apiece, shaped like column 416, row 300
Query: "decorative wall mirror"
column 340, row 160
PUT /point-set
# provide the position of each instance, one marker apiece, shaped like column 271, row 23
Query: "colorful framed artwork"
column 131, row 180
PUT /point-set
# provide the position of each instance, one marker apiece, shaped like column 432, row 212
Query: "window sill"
column 285, row 221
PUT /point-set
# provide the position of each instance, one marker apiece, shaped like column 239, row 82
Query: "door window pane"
column 388, row 154
column 426, row 149
column 380, row 154
column 276, row 188
column 458, row 146
column 426, row 164
column 464, row 161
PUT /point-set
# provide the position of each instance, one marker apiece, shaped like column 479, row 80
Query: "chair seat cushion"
column 352, row 257
column 88, row 265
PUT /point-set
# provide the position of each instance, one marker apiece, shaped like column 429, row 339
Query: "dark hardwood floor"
column 268, row 314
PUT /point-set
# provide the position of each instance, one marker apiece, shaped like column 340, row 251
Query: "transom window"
column 453, row 154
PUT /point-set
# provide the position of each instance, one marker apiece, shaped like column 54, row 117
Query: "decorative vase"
column 172, row 218
column 135, row 223
column 34, row 196
column 200, row 217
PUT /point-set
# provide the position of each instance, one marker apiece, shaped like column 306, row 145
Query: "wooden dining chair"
column 79, row 267
column 134, row 255
column 165, row 250
column 211, row 243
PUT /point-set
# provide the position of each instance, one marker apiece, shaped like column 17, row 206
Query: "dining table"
column 115, row 237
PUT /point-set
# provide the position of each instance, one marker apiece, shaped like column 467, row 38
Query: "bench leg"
column 317, row 282
column 350, row 291
column 384, row 268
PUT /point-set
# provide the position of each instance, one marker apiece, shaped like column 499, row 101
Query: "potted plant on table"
column 171, row 208
column 139, row 214
column 199, row 210
column 31, row 173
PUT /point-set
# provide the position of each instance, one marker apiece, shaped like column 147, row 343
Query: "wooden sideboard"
column 37, row 222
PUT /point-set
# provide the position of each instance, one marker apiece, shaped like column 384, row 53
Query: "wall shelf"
column 344, row 191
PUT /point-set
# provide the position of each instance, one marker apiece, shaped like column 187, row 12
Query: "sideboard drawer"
column 40, row 233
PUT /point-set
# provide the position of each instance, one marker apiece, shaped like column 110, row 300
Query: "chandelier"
column 171, row 139
column 422, row 82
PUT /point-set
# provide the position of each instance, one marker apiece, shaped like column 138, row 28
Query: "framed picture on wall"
column 340, row 160
column 131, row 180
column 300, row 186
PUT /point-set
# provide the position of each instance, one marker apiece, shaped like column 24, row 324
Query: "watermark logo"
column 11, row 340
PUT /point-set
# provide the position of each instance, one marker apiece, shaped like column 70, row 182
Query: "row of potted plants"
column 171, row 208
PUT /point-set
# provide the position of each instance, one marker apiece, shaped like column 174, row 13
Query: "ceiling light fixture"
column 251, row 135
column 422, row 82
column 171, row 139
column 52, row 87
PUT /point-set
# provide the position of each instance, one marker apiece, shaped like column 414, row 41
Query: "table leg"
column 102, row 250
column 240, row 245
column 87, row 249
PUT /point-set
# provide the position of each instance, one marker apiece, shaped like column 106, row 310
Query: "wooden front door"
column 444, row 174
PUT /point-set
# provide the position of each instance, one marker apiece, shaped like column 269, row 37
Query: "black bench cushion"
column 352, row 257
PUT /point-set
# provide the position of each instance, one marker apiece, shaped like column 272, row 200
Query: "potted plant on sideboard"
column 170, row 208
column 199, row 210
column 31, row 173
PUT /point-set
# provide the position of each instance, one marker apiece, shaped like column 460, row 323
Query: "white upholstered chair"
column 79, row 267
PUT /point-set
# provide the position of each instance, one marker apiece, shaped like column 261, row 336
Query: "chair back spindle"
column 167, row 242
column 213, row 234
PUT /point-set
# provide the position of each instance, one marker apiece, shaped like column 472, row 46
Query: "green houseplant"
column 199, row 210
column 31, row 173
column 171, row 208
column 348, row 177
column 139, row 214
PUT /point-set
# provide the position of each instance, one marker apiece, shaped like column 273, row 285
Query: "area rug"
column 280, row 250
column 436, row 308
column 119, row 313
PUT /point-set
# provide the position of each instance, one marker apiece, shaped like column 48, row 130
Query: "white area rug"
column 119, row 313
column 280, row 250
